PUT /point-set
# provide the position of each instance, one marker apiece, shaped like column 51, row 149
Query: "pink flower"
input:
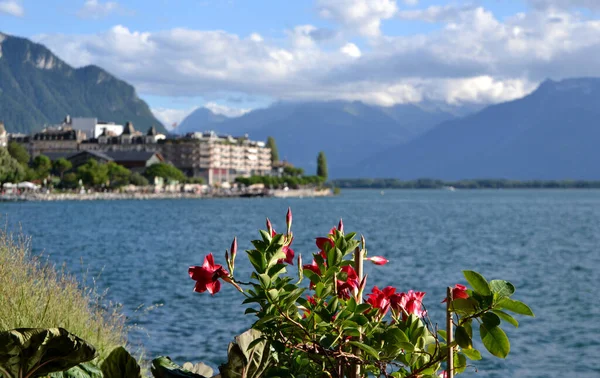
column 381, row 299
column 207, row 276
column 459, row 291
column 347, row 280
column 443, row 374
column 408, row 303
column 340, row 226
column 378, row 260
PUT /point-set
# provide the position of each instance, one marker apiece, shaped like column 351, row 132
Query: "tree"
column 10, row 169
column 61, row 166
column 273, row 146
column 138, row 180
column 92, row 173
column 117, row 174
column 19, row 153
column 42, row 166
column 322, row 165
column 166, row 171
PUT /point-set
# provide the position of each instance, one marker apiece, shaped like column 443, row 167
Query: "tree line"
column 464, row 184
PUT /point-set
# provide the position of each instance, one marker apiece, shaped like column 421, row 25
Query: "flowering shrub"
column 331, row 327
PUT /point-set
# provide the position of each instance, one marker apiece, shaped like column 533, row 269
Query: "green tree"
column 70, row 180
column 322, row 165
column 19, row 152
column 273, row 146
column 61, row 166
column 42, row 166
column 166, row 171
column 92, row 173
column 117, row 174
column 138, row 180
column 10, row 169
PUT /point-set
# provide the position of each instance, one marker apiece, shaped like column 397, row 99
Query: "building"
column 216, row 158
column 3, row 136
column 51, row 139
column 135, row 161
column 92, row 127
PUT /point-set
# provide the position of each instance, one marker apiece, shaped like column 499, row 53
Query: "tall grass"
column 36, row 294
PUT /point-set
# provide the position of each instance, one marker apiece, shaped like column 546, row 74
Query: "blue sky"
column 237, row 55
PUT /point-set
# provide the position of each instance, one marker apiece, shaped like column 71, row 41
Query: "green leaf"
column 163, row 367
column 506, row 317
column 120, row 363
column 247, row 357
column 28, row 352
column 257, row 259
column 502, row 288
column 366, row 348
column 83, row 370
column 490, row 319
column 477, row 282
column 460, row 363
column 395, row 341
column 265, row 280
column 443, row 334
column 515, row 306
column 462, row 338
column 472, row 354
column 465, row 306
column 495, row 340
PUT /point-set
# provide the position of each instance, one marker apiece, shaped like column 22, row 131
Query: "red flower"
column 347, row 280
column 322, row 242
column 459, row 291
column 381, row 299
column 289, row 254
column 408, row 303
column 378, row 260
column 207, row 276
column 314, row 267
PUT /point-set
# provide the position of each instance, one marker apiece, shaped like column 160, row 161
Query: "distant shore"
column 108, row 196
column 463, row 184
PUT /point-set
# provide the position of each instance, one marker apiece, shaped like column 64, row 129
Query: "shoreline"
column 110, row 196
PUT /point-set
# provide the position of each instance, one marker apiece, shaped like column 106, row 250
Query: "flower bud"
column 233, row 248
column 270, row 228
column 378, row 260
column 288, row 219
column 340, row 226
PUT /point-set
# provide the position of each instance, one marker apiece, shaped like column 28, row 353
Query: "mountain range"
column 37, row 88
column 348, row 132
column 552, row 133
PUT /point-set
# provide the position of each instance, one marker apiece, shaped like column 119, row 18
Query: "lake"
column 547, row 243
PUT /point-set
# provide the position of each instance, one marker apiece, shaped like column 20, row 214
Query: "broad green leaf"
column 443, row 334
column 395, row 341
column 163, row 367
column 83, row 370
column 502, row 288
column 472, row 354
column 490, row 319
column 366, row 348
column 462, row 338
column 465, row 306
column 460, row 363
column 120, row 363
column 32, row 352
column 246, row 357
column 265, row 280
column 477, row 282
column 515, row 306
column 495, row 340
column 506, row 317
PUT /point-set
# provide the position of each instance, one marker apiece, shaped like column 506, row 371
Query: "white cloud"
column 361, row 16
column 171, row 117
column 97, row 9
column 472, row 57
column 255, row 37
column 226, row 110
column 566, row 4
column 351, row 50
column 12, row 7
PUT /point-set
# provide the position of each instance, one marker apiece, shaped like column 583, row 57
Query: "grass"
column 38, row 295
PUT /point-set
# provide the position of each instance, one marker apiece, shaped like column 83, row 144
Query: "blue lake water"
column 545, row 242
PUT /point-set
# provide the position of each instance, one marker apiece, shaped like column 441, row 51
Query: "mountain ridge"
column 38, row 88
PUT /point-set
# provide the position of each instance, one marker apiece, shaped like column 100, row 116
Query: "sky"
column 233, row 56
